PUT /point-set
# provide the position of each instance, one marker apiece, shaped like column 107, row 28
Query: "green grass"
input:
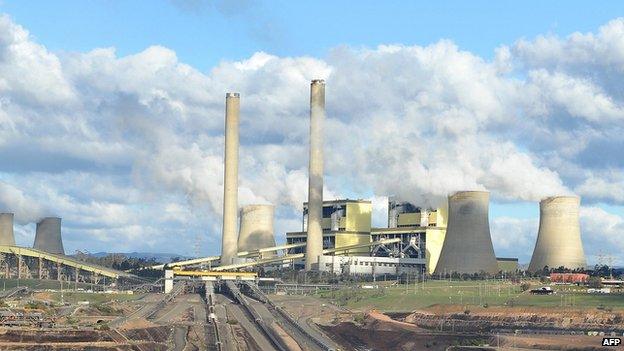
column 404, row 298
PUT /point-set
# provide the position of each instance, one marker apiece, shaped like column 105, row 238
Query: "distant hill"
column 157, row 256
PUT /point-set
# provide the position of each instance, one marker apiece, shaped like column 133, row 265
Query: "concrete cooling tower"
column 467, row 246
column 48, row 236
column 256, row 228
column 6, row 229
column 559, row 236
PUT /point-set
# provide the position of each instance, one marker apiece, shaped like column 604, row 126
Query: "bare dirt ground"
column 551, row 342
column 377, row 331
column 83, row 339
column 483, row 319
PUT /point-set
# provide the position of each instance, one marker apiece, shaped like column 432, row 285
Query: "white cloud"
column 603, row 234
column 126, row 148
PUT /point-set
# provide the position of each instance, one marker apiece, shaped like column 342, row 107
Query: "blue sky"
column 204, row 33
column 111, row 112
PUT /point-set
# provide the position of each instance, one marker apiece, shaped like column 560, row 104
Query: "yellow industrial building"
column 345, row 222
column 348, row 222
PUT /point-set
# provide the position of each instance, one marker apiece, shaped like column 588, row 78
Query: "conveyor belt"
column 64, row 260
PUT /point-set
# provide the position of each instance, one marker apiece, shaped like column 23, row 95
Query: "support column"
column 168, row 281
column 40, row 267
column 58, row 271
column 77, row 270
column 19, row 266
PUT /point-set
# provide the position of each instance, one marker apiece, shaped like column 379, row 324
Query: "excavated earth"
column 458, row 318
column 379, row 332
column 421, row 330
column 155, row 338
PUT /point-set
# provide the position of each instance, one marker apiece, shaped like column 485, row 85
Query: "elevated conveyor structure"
column 64, row 261
column 287, row 258
column 210, row 259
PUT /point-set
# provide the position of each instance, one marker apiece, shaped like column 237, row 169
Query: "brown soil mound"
column 43, row 336
column 155, row 334
column 380, row 332
column 352, row 336
column 483, row 319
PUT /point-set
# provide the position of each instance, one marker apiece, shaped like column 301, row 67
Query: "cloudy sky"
column 111, row 114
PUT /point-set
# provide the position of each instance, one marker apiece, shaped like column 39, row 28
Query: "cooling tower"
column 559, row 236
column 48, row 236
column 6, row 229
column 230, row 179
column 467, row 245
column 314, row 241
column 256, row 228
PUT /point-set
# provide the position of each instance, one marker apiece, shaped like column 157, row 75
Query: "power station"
column 559, row 236
column 338, row 236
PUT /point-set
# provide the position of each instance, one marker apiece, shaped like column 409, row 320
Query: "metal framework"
column 21, row 252
column 251, row 253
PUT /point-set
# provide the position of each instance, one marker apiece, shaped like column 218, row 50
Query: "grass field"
column 403, row 298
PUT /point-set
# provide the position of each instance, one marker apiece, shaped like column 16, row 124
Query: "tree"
column 594, row 282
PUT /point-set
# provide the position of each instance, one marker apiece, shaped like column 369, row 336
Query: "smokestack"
column 467, row 245
column 230, row 179
column 48, row 236
column 559, row 236
column 256, row 228
column 314, row 241
column 6, row 229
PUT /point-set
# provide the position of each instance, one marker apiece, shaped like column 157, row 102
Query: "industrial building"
column 467, row 247
column 343, row 223
column 48, row 236
column 256, row 229
column 559, row 236
column 7, row 237
column 421, row 231
column 348, row 222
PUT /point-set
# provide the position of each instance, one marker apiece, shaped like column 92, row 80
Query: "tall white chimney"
column 230, row 180
column 314, row 241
